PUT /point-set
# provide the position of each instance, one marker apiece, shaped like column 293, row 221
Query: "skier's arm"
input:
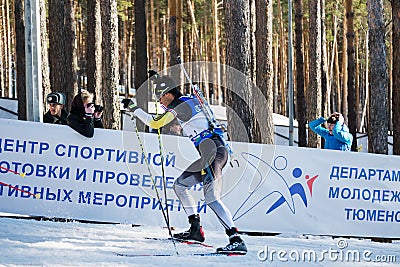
column 152, row 122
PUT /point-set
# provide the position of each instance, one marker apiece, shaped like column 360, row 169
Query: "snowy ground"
column 45, row 243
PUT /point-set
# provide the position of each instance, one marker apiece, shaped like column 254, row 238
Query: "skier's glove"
column 129, row 104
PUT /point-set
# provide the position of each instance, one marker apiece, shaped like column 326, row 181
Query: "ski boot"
column 236, row 244
column 195, row 231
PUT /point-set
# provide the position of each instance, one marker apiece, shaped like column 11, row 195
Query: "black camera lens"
column 98, row 108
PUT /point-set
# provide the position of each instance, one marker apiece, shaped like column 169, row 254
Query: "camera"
column 98, row 108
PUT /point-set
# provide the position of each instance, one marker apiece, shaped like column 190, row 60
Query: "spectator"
column 172, row 128
column 337, row 136
column 83, row 118
column 56, row 113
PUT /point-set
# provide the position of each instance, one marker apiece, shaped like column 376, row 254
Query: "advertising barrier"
column 53, row 171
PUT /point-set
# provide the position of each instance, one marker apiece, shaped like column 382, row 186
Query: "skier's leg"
column 181, row 186
column 212, row 183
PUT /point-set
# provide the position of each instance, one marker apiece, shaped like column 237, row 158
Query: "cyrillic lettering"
column 84, row 198
column 122, row 178
column 396, row 176
column 146, row 180
column 7, row 166
column 395, row 196
column 88, row 155
column 108, row 198
column 155, row 162
column 376, row 193
column 109, row 176
column 121, row 156
column 366, row 194
column 121, row 201
column 40, row 170
column 133, row 157
column 145, row 201
column 25, row 166
column 371, row 215
column 134, row 198
column 170, row 160
column 43, row 147
column 81, row 174
column 65, row 173
column 109, row 153
column 98, row 151
column 363, row 174
column 18, row 145
column 334, row 173
column 345, row 194
column 134, row 179
column 386, row 176
column 70, row 148
column 26, row 191
column 38, row 191
column 67, row 195
column 8, row 145
column 201, row 206
column 52, row 171
column 97, row 198
column 344, row 172
column 355, row 171
column 57, row 150
column 33, row 144
column 356, row 190
column 51, row 196
column 333, row 192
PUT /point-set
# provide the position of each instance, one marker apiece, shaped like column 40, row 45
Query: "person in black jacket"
column 82, row 117
column 56, row 113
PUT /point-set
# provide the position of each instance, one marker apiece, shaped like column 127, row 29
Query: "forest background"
column 346, row 58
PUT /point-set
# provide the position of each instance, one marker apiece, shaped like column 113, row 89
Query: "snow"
column 47, row 243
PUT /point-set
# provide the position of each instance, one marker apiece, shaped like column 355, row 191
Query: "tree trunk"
column 172, row 33
column 62, row 48
column 93, row 49
column 238, row 56
column 351, row 65
column 44, row 40
column 378, row 125
column 142, row 90
column 344, row 106
column 20, row 58
column 314, row 88
column 396, row 75
column 109, row 22
column 301, row 101
column 264, row 104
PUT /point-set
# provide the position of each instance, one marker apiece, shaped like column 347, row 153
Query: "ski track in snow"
column 45, row 243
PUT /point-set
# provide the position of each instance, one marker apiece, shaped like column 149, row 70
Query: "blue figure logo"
column 265, row 171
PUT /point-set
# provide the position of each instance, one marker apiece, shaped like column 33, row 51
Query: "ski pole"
column 154, row 184
column 21, row 190
column 20, row 174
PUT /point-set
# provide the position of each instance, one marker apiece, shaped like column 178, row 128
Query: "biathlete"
column 207, row 169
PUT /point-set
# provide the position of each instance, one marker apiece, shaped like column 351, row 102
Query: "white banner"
column 53, row 171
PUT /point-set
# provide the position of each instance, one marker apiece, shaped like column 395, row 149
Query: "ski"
column 188, row 242
column 205, row 254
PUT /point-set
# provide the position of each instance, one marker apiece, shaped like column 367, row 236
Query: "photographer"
column 337, row 135
column 84, row 115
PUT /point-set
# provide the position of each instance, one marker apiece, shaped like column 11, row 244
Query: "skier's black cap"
column 164, row 84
